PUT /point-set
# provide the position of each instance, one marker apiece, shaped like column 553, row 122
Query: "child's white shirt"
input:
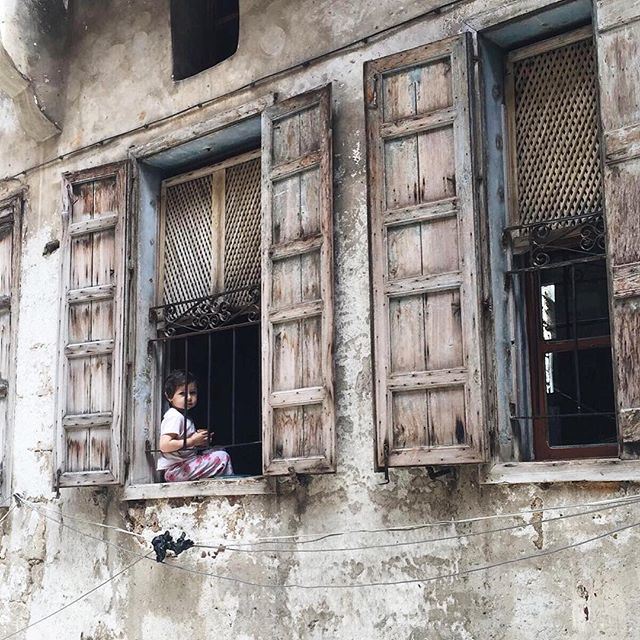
column 173, row 422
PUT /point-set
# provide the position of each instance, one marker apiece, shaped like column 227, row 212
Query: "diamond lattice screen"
column 189, row 243
column 242, row 225
column 557, row 146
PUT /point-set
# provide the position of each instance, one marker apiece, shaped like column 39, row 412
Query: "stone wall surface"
column 118, row 77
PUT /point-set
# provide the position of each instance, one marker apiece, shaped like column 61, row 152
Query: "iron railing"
column 181, row 321
column 566, row 244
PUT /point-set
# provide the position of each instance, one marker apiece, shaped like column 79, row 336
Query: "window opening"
column 209, row 319
column 203, row 34
column 557, row 238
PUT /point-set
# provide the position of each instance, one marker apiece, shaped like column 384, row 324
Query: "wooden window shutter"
column 297, row 286
column 618, row 45
column 92, row 331
column 10, row 218
column 427, row 340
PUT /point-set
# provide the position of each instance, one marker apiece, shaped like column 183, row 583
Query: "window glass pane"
column 579, row 288
column 580, row 404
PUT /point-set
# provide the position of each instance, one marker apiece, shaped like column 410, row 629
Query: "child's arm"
column 170, row 442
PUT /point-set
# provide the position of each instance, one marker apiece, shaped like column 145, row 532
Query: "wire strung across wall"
column 356, row 585
column 424, row 579
column 300, row 539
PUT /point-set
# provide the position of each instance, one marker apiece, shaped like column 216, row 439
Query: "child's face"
column 177, row 400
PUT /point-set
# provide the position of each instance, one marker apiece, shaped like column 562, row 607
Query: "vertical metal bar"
column 574, row 309
column 186, row 392
column 209, row 390
column 233, row 385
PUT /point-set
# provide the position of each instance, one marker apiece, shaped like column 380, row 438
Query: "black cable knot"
column 165, row 542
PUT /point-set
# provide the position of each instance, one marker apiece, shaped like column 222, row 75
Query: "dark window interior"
column 203, row 33
column 570, row 346
column 227, row 366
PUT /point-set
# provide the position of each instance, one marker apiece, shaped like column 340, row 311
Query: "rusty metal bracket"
column 293, row 476
column 385, row 453
column 437, row 472
column 56, row 484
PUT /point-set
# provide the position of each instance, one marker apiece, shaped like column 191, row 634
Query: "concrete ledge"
column 258, row 485
column 597, row 470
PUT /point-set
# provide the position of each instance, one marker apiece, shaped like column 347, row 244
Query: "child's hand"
column 199, row 438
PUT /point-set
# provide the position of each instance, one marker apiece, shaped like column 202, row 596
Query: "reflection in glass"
column 573, row 301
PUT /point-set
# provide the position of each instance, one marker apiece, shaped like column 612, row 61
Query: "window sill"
column 597, row 470
column 211, row 487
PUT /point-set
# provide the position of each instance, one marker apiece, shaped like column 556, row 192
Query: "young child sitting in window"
column 177, row 462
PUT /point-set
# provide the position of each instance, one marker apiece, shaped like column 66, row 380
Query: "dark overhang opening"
column 203, row 34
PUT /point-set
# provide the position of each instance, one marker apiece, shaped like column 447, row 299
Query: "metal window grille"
column 210, row 283
column 555, row 122
column 558, row 242
column 242, row 225
column 187, row 240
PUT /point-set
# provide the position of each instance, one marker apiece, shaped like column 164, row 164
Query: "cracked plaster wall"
column 118, row 77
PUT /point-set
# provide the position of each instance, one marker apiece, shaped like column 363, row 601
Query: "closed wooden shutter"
column 10, row 213
column 424, row 257
column 92, row 328
column 297, row 286
column 618, row 43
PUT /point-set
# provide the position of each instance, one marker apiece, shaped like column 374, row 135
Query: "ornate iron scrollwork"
column 210, row 312
column 582, row 236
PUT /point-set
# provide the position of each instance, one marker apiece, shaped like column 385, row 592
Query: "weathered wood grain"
column 619, row 82
column 424, row 257
column 297, row 286
column 91, row 373
column 10, row 249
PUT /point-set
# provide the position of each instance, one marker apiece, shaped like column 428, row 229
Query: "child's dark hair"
column 178, row 378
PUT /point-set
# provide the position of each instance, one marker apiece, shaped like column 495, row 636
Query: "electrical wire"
column 78, row 599
column 90, row 522
column 231, row 579
column 317, row 537
column 406, row 543
column 6, row 515
column 238, row 90
column 301, row 538
column 443, row 576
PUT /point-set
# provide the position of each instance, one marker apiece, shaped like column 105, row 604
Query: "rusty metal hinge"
column 372, row 98
column 385, row 455
column 127, row 463
column 56, row 484
column 293, row 476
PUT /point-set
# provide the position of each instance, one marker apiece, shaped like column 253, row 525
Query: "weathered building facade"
column 398, row 244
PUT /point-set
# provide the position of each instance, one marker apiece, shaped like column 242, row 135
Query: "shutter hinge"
column 434, row 472
column 1, row 474
column 385, row 455
column 372, row 98
column 127, row 463
column 293, row 476
column 56, row 483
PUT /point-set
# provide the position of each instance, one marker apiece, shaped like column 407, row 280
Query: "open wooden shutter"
column 297, row 286
column 618, row 43
column 424, row 257
column 92, row 328
column 10, row 214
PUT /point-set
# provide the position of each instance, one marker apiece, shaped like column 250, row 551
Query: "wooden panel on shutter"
column 424, row 257
column 618, row 42
column 10, row 217
column 91, row 375
column 297, row 286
